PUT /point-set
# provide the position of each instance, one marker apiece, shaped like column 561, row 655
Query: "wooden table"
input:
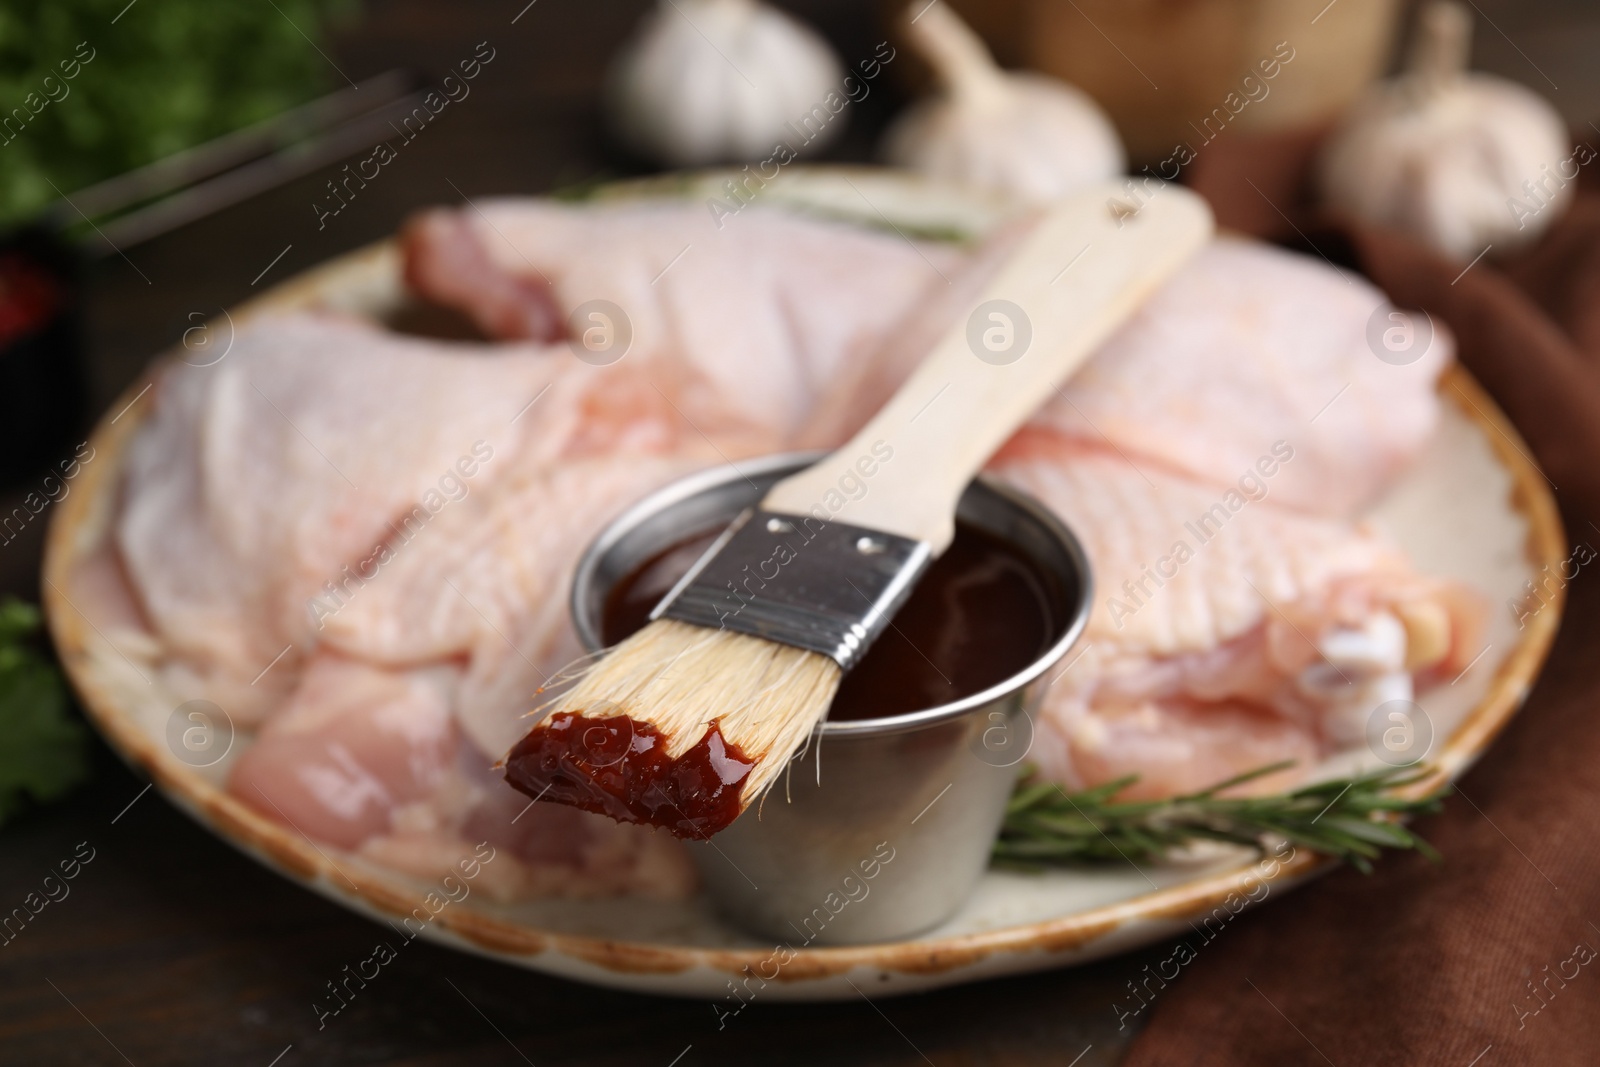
column 172, row 948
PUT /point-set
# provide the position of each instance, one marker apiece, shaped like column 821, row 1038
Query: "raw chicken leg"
column 771, row 307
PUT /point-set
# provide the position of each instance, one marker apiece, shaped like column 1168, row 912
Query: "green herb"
column 1351, row 818
column 92, row 88
column 582, row 190
column 43, row 753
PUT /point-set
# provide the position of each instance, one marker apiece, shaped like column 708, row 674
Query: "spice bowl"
column 881, row 827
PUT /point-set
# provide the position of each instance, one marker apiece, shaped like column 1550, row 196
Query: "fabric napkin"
column 1491, row 957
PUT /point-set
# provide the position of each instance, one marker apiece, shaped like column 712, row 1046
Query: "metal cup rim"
column 683, row 489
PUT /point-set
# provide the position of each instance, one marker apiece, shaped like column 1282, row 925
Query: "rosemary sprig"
column 1351, row 818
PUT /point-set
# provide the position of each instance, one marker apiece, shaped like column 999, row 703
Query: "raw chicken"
column 446, row 262
column 770, row 308
column 369, row 760
column 1249, row 345
column 353, row 743
column 1246, row 345
column 256, row 480
column 298, row 463
column 1227, row 632
column 489, row 581
column 368, row 538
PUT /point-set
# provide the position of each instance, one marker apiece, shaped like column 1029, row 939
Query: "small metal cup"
column 882, row 828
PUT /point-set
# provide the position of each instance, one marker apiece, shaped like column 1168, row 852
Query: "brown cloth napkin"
column 1488, row 958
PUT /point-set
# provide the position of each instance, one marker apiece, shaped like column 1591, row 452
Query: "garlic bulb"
column 714, row 81
column 1026, row 135
column 1461, row 161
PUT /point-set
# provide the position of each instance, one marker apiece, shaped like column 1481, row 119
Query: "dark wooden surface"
column 172, row 949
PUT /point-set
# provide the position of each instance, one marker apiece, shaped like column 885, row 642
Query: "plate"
column 1474, row 507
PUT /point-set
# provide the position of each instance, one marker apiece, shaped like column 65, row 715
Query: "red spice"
column 619, row 767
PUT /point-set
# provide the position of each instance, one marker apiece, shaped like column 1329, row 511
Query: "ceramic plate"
column 1475, row 508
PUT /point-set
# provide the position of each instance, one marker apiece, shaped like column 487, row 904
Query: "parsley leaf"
column 43, row 750
column 92, row 88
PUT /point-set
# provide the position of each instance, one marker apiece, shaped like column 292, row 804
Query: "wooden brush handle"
column 1083, row 269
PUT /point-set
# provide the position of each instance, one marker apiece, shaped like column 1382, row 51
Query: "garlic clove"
column 717, row 81
column 1460, row 161
column 1022, row 134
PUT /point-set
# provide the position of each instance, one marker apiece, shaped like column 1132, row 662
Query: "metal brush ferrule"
column 798, row 580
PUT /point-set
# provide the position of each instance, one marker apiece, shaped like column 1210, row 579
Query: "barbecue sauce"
column 979, row 615
column 619, row 767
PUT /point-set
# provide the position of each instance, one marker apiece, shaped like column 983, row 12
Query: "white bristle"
column 764, row 697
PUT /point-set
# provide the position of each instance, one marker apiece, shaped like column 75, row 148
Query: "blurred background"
column 162, row 160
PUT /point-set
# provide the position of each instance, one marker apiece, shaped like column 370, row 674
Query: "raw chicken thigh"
column 362, row 540
column 359, row 544
column 259, row 478
column 1228, row 632
column 1249, row 345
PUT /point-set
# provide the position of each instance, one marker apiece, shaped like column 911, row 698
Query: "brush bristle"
column 764, row 697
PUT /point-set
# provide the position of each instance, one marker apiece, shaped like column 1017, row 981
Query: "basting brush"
column 687, row 722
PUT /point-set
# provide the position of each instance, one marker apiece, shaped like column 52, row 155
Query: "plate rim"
column 79, row 523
